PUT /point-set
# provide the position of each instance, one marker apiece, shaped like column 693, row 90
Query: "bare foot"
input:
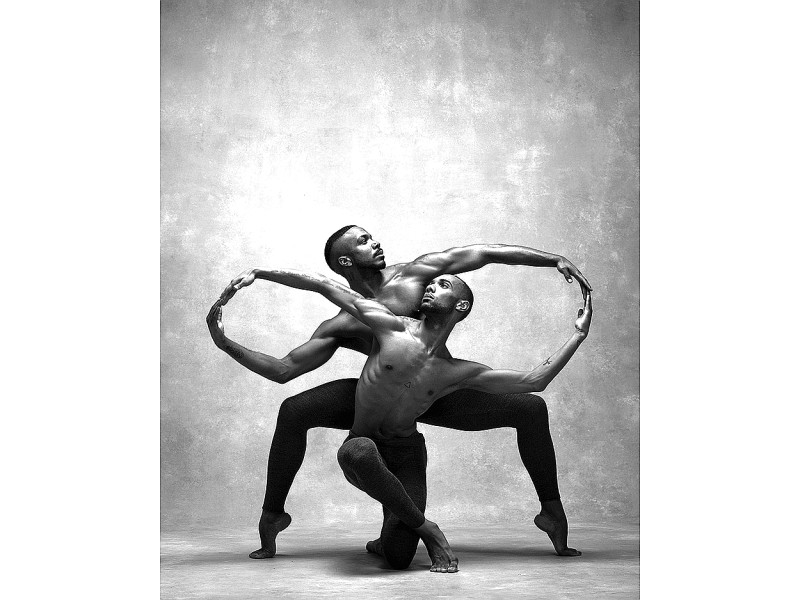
column 375, row 547
column 442, row 558
column 268, row 528
column 553, row 521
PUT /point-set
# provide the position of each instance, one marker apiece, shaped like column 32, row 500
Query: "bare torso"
column 399, row 293
column 400, row 381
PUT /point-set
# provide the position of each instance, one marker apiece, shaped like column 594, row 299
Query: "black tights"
column 332, row 405
column 393, row 473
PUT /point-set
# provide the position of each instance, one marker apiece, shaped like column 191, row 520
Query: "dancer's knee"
column 399, row 561
column 399, row 543
column 536, row 407
column 399, row 556
column 292, row 413
column 355, row 452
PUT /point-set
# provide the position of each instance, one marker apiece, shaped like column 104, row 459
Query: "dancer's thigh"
column 472, row 410
column 331, row 405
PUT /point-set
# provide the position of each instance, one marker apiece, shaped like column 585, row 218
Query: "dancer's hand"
column 568, row 270
column 242, row 280
column 215, row 326
column 584, row 316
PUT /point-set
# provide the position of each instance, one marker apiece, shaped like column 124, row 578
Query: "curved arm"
column 469, row 258
column 373, row 314
column 307, row 357
column 505, row 381
column 537, row 380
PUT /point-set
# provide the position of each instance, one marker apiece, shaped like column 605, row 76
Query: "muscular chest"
column 406, row 366
column 402, row 297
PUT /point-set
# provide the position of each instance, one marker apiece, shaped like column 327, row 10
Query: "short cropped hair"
column 329, row 244
column 467, row 295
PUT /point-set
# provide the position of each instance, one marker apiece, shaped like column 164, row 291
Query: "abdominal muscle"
column 387, row 407
column 398, row 384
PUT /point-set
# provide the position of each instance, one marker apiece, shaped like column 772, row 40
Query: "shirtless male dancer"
column 407, row 370
column 352, row 253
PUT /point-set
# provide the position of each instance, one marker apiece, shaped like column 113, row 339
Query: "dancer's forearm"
column 311, row 355
column 259, row 363
column 337, row 293
column 541, row 376
column 468, row 258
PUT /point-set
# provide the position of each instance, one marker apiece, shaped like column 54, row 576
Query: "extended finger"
column 589, row 300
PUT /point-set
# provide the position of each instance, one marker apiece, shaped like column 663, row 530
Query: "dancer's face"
column 444, row 295
column 359, row 249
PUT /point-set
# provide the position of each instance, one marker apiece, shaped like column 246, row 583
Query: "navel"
column 430, row 392
column 390, row 367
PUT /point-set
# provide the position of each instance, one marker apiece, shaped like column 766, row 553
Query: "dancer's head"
column 447, row 294
column 352, row 246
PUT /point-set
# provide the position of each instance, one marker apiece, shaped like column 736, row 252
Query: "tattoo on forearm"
column 346, row 290
column 235, row 353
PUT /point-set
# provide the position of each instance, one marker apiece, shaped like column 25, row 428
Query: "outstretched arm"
column 503, row 381
column 469, row 258
column 373, row 314
column 307, row 357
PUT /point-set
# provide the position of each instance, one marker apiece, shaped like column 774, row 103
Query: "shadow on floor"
column 352, row 562
column 476, row 551
column 346, row 561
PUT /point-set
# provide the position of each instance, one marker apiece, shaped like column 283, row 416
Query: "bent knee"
column 356, row 451
column 536, row 405
column 537, row 401
column 292, row 411
column 399, row 560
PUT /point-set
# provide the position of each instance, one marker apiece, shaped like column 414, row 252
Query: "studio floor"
column 331, row 562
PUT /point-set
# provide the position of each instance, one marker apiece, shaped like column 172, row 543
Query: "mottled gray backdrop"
column 432, row 124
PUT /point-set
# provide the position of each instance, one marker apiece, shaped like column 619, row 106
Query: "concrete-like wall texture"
column 432, row 124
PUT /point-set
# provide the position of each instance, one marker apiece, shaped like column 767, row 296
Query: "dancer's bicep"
column 376, row 316
column 498, row 381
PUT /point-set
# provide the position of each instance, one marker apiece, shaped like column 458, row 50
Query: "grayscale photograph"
column 399, row 299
